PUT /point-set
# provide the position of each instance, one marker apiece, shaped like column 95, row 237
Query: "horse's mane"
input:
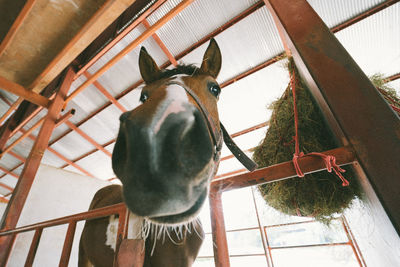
column 189, row 69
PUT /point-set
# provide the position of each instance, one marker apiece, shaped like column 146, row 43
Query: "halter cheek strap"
column 218, row 136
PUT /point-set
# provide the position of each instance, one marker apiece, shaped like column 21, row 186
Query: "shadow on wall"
column 55, row 193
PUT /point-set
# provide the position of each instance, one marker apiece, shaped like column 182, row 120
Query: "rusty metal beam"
column 220, row 247
column 106, row 47
column 285, row 170
column 17, row 201
column 9, row 172
column 364, row 15
column 347, row 98
column 104, row 91
column 23, row 92
column 87, row 138
column 13, row 107
column 146, row 34
column 161, row 44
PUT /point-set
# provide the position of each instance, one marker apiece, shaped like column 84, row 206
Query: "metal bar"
column 87, row 215
column 229, row 173
column 221, row 254
column 26, row 120
column 260, row 228
column 3, row 199
column 13, row 169
column 65, row 117
column 364, row 15
column 2, row 97
column 313, row 245
column 17, row 201
column 348, row 99
column 220, row 29
column 146, row 34
column 13, row 107
column 22, row 137
column 69, row 238
column 285, row 170
column 353, row 242
column 15, row 155
column 34, row 245
column 126, row 31
column 16, row 25
column 103, row 90
column 248, row 130
column 9, row 172
column 161, row 44
column 392, row 77
column 121, row 232
column 87, row 138
column 6, row 187
column 23, row 92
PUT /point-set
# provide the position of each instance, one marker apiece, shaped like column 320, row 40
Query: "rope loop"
column 329, row 160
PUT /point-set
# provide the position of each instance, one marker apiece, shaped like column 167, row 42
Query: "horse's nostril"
column 123, row 116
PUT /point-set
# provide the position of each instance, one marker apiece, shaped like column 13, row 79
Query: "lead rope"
column 329, row 160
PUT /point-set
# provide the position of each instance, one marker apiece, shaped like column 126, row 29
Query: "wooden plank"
column 16, row 25
column 110, row 11
column 13, row 107
column 23, row 92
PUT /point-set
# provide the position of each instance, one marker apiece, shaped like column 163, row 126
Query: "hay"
column 319, row 195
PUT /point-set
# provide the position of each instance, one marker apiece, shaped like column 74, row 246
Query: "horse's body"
column 167, row 151
column 178, row 252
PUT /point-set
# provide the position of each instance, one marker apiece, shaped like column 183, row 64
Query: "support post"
column 221, row 254
column 347, row 98
column 17, row 201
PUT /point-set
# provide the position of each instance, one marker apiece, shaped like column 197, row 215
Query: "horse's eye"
column 143, row 97
column 215, row 90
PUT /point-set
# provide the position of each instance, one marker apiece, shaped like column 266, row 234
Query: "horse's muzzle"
column 164, row 162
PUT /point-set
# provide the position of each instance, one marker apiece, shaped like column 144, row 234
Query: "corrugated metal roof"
column 374, row 43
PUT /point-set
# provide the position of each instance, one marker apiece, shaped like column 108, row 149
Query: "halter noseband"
column 218, row 136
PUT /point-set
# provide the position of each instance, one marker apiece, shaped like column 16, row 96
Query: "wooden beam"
column 23, row 92
column 109, row 12
column 16, row 25
column 9, row 172
column 24, row 184
column 146, row 34
column 285, row 170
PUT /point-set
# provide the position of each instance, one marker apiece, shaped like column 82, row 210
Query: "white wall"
column 55, row 193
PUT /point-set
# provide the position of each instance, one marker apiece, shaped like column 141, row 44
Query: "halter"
column 218, row 137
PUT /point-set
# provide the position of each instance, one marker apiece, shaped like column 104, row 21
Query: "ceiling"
column 374, row 43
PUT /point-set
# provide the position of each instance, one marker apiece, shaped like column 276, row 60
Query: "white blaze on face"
column 179, row 96
column 134, row 229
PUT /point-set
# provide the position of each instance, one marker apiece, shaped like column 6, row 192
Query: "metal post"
column 14, row 208
column 221, row 254
column 346, row 96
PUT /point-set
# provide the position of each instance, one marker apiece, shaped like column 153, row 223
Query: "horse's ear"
column 148, row 67
column 212, row 59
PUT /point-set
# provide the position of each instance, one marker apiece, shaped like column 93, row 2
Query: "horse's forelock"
column 180, row 69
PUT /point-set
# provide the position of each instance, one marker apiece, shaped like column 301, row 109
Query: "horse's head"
column 168, row 148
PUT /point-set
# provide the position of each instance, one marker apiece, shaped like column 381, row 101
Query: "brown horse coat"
column 94, row 251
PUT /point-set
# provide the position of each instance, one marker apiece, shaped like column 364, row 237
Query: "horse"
column 166, row 153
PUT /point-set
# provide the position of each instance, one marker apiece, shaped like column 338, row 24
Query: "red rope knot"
column 296, row 156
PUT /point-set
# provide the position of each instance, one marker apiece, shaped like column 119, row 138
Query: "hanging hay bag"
column 321, row 194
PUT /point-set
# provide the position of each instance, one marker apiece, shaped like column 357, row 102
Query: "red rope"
column 330, row 161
